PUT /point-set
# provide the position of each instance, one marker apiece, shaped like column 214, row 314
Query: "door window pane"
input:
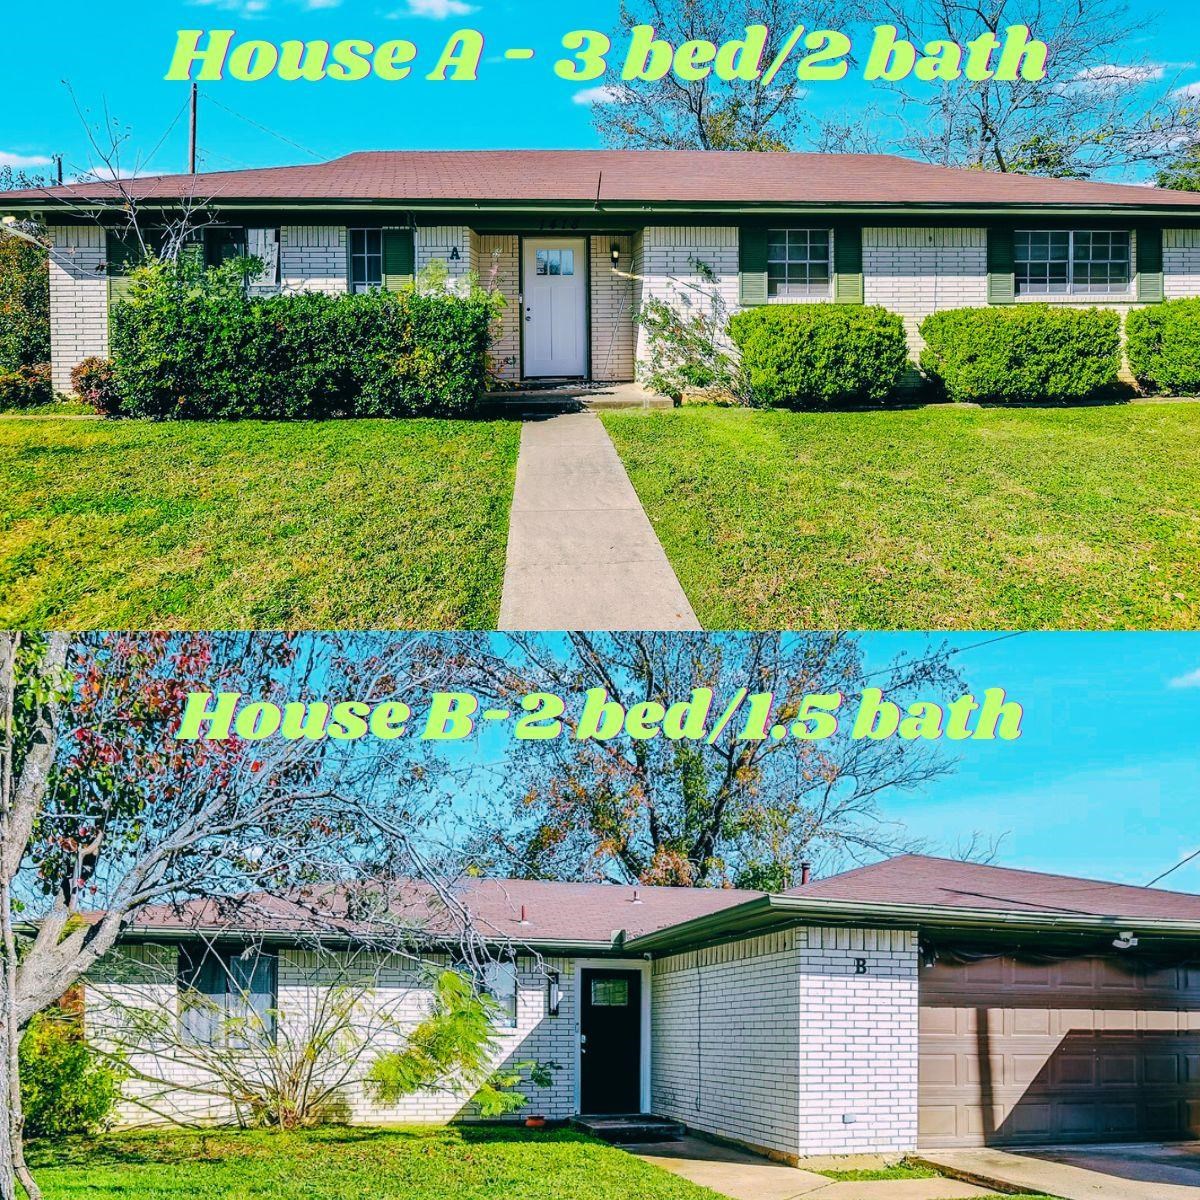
column 610, row 993
column 556, row 262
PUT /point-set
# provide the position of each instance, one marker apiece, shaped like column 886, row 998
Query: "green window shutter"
column 122, row 254
column 753, row 259
column 1150, row 265
column 399, row 259
column 1002, row 282
column 848, row 264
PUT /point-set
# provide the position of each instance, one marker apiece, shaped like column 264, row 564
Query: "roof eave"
column 775, row 912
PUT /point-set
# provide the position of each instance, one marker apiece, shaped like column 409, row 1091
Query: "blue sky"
column 119, row 63
column 1105, row 780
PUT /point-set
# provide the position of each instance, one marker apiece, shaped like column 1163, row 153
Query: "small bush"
column 683, row 350
column 26, row 387
column 65, row 1088
column 189, row 344
column 1163, row 344
column 809, row 355
column 95, row 383
column 1022, row 353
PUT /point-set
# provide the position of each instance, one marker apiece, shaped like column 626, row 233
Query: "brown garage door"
column 1092, row 1049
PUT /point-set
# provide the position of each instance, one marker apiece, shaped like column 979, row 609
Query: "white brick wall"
column 858, row 1041
column 673, row 261
column 314, row 258
column 915, row 271
column 440, row 243
column 1181, row 263
column 498, row 261
column 725, row 1040
column 143, row 977
column 78, row 299
column 614, row 295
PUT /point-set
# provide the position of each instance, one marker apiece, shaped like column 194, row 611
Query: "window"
column 263, row 244
column 610, row 993
column 366, row 259
column 499, row 981
column 556, row 262
column 799, row 263
column 1061, row 262
column 227, row 996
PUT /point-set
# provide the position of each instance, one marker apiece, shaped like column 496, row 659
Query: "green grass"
column 437, row 1164
column 900, row 1170
column 931, row 518
column 53, row 408
column 344, row 524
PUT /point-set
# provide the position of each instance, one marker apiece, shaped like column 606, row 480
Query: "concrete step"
column 629, row 1129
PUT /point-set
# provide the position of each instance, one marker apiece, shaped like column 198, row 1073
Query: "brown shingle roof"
column 622, row 176
column 942, row 882
column 554, row 912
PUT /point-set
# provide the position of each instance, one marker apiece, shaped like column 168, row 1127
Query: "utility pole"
column 192, row 131
column 58, row 164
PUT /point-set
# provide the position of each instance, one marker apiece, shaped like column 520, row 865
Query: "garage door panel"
column 1104, row 1051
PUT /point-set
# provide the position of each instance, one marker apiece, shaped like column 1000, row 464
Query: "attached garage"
column 1084, row 1049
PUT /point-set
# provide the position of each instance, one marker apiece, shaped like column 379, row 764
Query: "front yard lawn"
column 348, row 1164
column 943, row 517
column 338, row 525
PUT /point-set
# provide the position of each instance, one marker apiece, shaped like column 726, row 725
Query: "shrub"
column 820, row 354
column 1022, row 353
column 683, row 351
column 26, row 387
column 95, row 383
column 193, row 344
column 24, row 303
column 65, row 1088
column 1163, row 344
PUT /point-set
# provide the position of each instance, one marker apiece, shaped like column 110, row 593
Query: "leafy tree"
column 1098, row 109
column 684, row 812
column 710, row 114
column 1181, row 173
column 24, row 288
column 103, row 812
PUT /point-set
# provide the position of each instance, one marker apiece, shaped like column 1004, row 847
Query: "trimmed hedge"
column 809, row 355
column 1022, row 353
column 1163, row 344
column 199, row 347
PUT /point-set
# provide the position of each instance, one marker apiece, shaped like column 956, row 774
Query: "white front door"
column 556, row 272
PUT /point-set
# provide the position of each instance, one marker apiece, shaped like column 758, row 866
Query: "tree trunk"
column 8, row 1173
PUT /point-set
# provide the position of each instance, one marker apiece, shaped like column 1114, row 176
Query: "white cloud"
column 605, row 94
column 1109, row 75
column 1190, row 680
column 1188, row 89
column 18, row 161
column 256, row 8
column 437, row 10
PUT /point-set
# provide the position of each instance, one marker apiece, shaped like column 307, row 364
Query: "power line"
column 1005, row 637
column 1183, row 863
column 267, row 130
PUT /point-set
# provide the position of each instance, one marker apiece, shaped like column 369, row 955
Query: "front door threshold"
column 630, row 1128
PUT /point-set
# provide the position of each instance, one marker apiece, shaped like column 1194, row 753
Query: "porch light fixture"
column 616, row 253
column 553, row 993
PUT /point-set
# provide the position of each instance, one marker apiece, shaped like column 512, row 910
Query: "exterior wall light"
column 553, row 993
column 616, row 253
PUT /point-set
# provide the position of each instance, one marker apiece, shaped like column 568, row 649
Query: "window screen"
column 798, row 262
column 1062, row 262
column 227, row 997
column 366, row 259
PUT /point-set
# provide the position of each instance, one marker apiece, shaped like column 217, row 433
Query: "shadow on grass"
column 168, row 1147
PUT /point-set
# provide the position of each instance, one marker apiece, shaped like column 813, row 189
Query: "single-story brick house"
column 577, row 241
column 919, row 1002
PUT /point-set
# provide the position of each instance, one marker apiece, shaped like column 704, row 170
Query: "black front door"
column 610, row 1025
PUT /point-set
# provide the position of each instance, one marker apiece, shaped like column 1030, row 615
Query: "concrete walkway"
column 744, row 1176
column 1129, row 1172
column 582, row 554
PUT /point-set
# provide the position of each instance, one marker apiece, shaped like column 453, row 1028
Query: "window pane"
column 568, row 262
column 610, row 993
column 499, row 981
column 543, row 262
column 798, row 263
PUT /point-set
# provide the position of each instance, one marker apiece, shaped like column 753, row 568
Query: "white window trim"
column 807, row 299
column 1071, row 296
column 613, row 964
column 362, row 289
